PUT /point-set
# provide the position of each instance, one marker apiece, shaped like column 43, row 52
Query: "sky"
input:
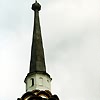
column 71, row 40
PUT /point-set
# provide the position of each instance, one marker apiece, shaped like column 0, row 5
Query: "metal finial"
column 36, row 6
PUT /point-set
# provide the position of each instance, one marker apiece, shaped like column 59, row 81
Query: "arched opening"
column 32, row 81
column 40, row 81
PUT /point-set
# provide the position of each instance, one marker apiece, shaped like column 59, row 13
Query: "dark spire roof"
column 37, row 62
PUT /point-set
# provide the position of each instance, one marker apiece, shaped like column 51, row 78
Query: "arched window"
column 41, row 81
column 32, row 81
column 48, row 81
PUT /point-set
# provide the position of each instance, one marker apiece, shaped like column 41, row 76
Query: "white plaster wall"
column 41, row 82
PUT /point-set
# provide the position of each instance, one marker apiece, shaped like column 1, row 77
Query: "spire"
column 37, row 78
column 37, row 62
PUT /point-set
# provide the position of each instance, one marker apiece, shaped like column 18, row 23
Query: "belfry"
column 38, row 81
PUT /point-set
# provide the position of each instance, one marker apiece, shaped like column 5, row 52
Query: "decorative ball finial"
column 36, row 6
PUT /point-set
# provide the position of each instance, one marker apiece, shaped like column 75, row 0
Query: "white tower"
column 37, row 78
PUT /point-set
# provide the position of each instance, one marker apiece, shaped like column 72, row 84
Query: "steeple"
column 37, row 63
column 37, row 78
column 38, row 82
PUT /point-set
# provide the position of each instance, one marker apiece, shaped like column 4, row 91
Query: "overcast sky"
column 71, row 39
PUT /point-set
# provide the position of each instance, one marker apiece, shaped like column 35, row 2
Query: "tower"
column 38, row 81
column 37, row 78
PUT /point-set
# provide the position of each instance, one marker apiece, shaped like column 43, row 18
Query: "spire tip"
column 36, row 6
